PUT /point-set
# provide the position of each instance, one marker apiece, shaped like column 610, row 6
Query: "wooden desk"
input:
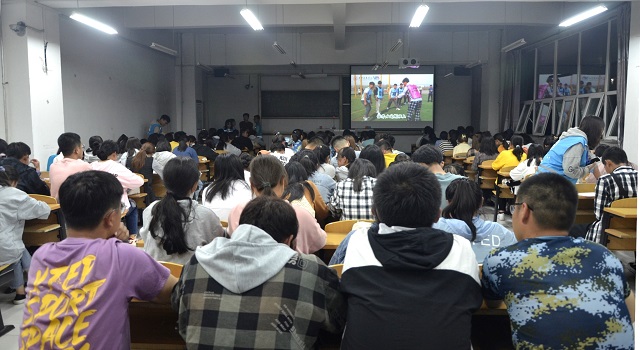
column 334, row 240
column 54, row 207
column 153, row 326
column 506, row 174
column 625, row 213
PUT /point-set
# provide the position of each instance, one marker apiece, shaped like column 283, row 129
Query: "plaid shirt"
column 621, row 183
column 287, row 312
column 354, row 205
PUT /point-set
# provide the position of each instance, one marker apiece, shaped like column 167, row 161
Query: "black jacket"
column 29, row 181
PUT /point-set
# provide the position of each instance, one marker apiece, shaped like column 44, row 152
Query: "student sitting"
column 418, row 283
column 3, row 148
column 303, row 193
column 228, row 188
column 346, row 157
column 18, row 158
column 268, row 178
column 560, row 292
column 529, row 167
column 353, row 197
column 267, row 296
column 94, row 145
column 512, row 156
column 108, row 155
column 93, row 266
column 621, row 181
column 132, row 148
column 430, row 157
column 487, row 151
column 325, row 184
column 323, row 153
column 226, row 145
column 462, row 146
column 70, row 145
column 204, row 148
column 17, row 207
column 161, row 157
column 387, row 151
column 176, row 225
column 142, row 164
column 461, row 217
column 374, row 154
column 183, row 150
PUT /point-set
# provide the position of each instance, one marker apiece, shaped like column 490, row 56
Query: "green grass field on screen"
column 357, row 110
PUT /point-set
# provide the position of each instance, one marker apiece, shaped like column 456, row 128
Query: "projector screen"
column 391, row 104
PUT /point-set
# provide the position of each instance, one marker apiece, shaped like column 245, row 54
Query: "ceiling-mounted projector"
column 408, row 62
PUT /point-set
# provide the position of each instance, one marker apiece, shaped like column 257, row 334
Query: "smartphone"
column 593, row 161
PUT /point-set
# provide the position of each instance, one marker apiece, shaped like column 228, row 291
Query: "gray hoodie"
column 246, row 260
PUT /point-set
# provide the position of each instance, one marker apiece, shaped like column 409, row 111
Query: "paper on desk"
column 587, row 194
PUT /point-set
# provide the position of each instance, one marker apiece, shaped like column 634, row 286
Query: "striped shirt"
column 621, row 183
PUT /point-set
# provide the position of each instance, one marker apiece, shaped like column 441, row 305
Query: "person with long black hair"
column 353, row 197
column 303, row 193
column 94, row 144
column 132, row 148
column 183, row 149
column 176, row 225
column 461, row 217
column 228, row 188
column 17, row 207
column 346, row 157
column 142, row 163
column 487, row 151
column 325, row 184
column 569, row 156
column 374, row 154
column 528, row 167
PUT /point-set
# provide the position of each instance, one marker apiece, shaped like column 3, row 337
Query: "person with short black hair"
column 345, row 157
column 243, row 142
column 374, row 154
column 548, row 277
column 3, row 148
column 512, row 156
column 245, row 124
column 387, row 152
column 157, row 125
column 17, row 207
column 487, row 151
column 18, row 158
column 94, row 265
column 268, row 296
column 161, row 157
column 175, row 225
column 430, row 157
column 418, row 283
column 621, row 181
column 70, row 145
column 323, row 153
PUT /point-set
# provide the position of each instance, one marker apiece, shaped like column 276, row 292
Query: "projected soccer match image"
column 389, row 99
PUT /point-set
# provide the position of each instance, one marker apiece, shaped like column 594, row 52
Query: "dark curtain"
column 624, row 18
column 510, row 90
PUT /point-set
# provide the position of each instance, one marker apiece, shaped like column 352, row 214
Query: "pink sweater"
column 127, row 179
column 62, row 169
column 310, row 238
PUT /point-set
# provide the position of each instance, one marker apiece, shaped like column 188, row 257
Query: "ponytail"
column 180, row 174
column 465, row 198
column 517, row 142
column 266, row 173
column 140, row 158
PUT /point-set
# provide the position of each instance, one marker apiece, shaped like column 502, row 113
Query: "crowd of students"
column 413, row 270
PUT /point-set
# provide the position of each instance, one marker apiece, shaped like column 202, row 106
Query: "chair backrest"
column 448, row 153
column 43, row 198
column 338, row 268
column 175, row 269
column 487, row 163
column 202, row 159
column 506, row 169
column 625, row 203
column 344, row 226
column 585, row 187
column 224, row 223
column 460, row 155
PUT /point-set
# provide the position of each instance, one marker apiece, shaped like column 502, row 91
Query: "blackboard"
column 300, row 104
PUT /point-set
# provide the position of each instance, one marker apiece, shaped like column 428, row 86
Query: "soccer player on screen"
column 393, row 97
column 411, row 90
column 379, row 96
column 366, row 100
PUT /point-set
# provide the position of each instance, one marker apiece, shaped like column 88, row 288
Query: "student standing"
column 366, row 100
column 411, row 91
column 157, row 125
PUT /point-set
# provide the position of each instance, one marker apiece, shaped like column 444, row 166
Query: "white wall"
column 112, row 86
column 633, row 88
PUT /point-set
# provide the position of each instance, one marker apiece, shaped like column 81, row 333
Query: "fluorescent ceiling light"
column 396, row 46
column 418, row 17
column 293, row 64
column 385, row 64
column 473, row 64
column 375, row 67
column 204, row 67
column 164, row 49
column 279, row 48
column 93, row 23
column 514, row 45
column 448, row 75
column 582, row 16
column 251, row 19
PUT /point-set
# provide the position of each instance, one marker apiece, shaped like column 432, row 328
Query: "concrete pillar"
column 490, row 100
column 32, row 82
column 187, row 85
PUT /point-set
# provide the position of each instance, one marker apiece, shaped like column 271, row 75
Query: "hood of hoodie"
column 572, row 132
column 246, row 260
column 417, row 249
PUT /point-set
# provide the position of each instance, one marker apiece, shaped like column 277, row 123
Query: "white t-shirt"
column 240, row 194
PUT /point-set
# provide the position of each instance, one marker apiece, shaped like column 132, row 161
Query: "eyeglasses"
column 512, row 207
